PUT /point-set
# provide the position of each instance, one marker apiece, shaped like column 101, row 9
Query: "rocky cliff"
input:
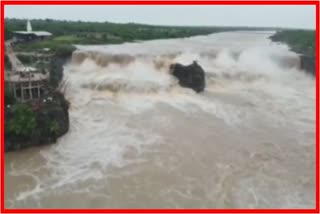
column 308, row 64
column 38, row 122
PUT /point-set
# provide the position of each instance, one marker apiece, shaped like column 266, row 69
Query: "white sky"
column 296, row 16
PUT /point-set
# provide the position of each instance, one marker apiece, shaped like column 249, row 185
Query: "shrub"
column 7, row 34
column 25, row 59
column 64, row 50
column 23, row 121
column 54, row 127
column 8, row 96
column 300, row 41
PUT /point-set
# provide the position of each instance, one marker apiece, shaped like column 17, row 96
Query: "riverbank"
column 301, row 42
column 79, row 32
column 41, row 121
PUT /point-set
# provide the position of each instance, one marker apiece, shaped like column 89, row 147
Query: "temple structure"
column 27, row 85
column 30, row 35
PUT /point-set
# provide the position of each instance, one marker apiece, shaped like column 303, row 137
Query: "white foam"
column 104, row 97
column 255, row 66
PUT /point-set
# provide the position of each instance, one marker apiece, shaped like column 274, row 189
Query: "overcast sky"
column 215, row 15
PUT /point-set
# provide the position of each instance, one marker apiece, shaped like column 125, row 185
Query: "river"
column 139, row 140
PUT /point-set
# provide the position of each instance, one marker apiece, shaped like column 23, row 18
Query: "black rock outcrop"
column 190, row 76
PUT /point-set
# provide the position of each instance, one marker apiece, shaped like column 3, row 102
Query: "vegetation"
column 79, row 32
column 61, row 56
column 38, row 124
column 64, row 50
column 8, row 96
column 23, row 122
column 7, row 33
column 25, row 59
column 300, row 41
column 54, row 127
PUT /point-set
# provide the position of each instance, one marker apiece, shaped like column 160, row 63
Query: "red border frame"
column 159, row 2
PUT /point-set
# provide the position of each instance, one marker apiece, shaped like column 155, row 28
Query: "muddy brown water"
column 138, row 140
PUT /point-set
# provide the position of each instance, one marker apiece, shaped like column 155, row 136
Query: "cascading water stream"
column 138, row 139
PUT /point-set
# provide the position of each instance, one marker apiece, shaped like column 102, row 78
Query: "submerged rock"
column 190, row 76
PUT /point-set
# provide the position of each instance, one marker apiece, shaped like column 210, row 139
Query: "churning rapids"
column 139, row 140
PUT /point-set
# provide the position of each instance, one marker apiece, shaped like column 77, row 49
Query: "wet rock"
column 190, row 76
column 308, row 63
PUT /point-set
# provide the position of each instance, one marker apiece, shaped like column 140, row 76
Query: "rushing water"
column 139, row 140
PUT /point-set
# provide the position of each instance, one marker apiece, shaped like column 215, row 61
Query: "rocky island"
column 190, row 76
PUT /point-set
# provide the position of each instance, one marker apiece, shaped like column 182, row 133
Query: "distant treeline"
column 102, row 32
column 300, row 41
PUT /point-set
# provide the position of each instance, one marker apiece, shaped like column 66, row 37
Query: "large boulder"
column 190, row 76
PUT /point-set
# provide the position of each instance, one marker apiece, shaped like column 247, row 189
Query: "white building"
column 30, row 35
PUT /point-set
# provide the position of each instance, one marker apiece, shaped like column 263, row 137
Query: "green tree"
column 23, row 122
column 7, row 33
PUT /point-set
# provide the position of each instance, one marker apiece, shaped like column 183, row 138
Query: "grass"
column 66, row 38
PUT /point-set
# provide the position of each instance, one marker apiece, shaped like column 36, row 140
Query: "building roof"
column 17, row 77
column 30, row 32
column 37, row 33
column 26, row 69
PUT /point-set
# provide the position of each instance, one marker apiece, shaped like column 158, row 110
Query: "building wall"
column 28, row 37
